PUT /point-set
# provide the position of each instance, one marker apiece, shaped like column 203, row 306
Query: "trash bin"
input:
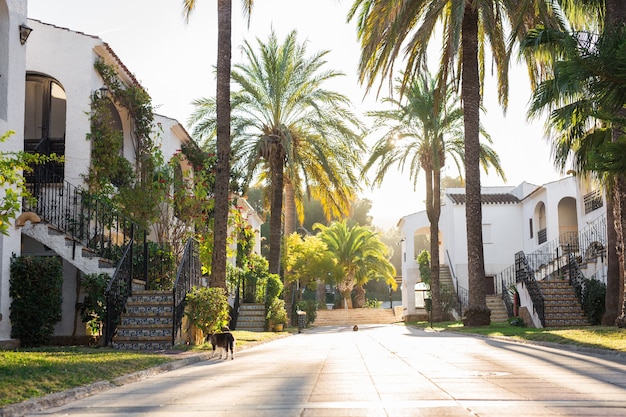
column 301, row 320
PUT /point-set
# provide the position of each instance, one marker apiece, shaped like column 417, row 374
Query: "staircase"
column 84, row 259
column 497, row 307
column 342, row 317
column 147, row 322
column 445, row 278
column 561, row 306
column 251, row 317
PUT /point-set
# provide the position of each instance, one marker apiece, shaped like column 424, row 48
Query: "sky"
column 174, row 61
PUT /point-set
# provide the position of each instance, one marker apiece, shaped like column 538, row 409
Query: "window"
column 530, row 225
column 44, row 120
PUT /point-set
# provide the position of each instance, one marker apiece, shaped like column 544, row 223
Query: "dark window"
column 44, row 120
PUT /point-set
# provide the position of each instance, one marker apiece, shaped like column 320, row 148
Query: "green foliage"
column 273, row 289
column 593, row 300
column 517, row 322
column 207, row 309
column 423, row 261
column 137, row 189
column 309, row 260
column 449, row 301
column 276, row 313
column 37, row 296
column 371, row 303
column 310, row 308
column 12, row 167
column 92, row 309
column 161, row 266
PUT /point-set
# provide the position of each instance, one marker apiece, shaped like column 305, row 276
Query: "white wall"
column 12, row 69
column 68, row 57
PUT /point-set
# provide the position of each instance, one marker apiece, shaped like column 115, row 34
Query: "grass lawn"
column 30, row 373
column 602, row 337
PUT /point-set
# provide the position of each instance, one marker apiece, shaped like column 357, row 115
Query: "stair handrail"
column 504, row 280
column 525, row 276
column 576, row 277
column 118, row 290
column 462, row 294
column 88, row 219
column 188, row 276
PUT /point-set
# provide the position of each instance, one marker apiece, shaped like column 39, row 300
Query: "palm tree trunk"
column 433, row 210
column 290, row 208
column 612, row 299
column 222, row 175
column 478, row 313
column 289, row 228
column 359, row 296
column 276, row 214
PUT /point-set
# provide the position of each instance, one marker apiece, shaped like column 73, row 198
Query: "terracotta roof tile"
column 502, row 198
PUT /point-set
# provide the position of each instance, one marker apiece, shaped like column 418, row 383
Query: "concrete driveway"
column 376, row 371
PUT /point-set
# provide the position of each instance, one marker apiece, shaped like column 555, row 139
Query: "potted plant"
column 277, row 315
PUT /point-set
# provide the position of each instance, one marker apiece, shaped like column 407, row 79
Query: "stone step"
column 355, row 316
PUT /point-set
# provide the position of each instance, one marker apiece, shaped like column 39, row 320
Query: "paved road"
column 377, row 371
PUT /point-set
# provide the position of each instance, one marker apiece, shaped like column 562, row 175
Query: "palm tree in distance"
column 360, row 253
column 388, row 30
column 222, row 175
column 290, row 130
column 418, row 134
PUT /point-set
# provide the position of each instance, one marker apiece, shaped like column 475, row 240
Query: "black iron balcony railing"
column 88, row 219
column 188, row 275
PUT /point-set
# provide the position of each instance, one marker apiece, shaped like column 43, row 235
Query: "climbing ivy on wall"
column 137, row 188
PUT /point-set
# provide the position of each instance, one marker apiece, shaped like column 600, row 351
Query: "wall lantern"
column 24, row 33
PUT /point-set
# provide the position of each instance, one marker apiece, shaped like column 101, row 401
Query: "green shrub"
column 92, row 310
column 423, row 262
column 517, row 321
column 273, row 289
column 371, row 303
column 36, row 287
column 310, row 307
column 593, row 300
column 207, row 309
column 276, row 313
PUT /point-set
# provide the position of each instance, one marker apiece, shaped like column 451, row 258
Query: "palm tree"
column 388, row 29
column 286, row 126
column 360, row 253
column 585, row 96
column 419, row 132
column 222, row 175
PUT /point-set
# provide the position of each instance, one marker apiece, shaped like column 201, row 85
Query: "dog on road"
column 224, row 341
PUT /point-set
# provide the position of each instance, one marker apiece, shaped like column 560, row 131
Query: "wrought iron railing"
column 462, row 294
column 118, row 290
column 188, row 275
column 524, row 275
column 503, row 282
column 88, row 219
column 593, row 201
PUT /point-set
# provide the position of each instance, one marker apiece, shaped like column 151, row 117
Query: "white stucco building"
column 524, row 218
column 46, row 88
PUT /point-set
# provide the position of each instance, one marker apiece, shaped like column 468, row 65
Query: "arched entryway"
column 568, row 223
column 45, row 120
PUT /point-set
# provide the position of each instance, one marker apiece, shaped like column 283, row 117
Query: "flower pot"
column 278, row 327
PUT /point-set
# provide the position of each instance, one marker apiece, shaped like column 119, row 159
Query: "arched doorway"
column 44, row 122
column 568, row 224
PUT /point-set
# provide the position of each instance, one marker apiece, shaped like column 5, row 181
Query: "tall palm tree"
column 287, row 126
column 419, row 131
column 390, row 29
column 359, row 252
column 222, row 175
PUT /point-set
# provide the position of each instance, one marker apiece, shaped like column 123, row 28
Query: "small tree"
column 207, row 309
